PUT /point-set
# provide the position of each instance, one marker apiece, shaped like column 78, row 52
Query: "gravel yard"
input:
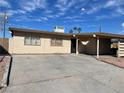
column 3, row 62
column 113, row 60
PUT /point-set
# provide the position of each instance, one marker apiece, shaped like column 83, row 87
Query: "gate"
column 120, row 49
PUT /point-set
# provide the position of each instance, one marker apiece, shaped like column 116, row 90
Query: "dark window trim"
column 55, row 42
column 31, row 41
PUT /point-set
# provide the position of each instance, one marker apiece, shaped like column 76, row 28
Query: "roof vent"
column 59, row 29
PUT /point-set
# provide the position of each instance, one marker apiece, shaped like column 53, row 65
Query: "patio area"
column 119, row 62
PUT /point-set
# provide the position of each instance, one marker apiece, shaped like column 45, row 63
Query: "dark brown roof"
column 37, row 31
column 89, row 34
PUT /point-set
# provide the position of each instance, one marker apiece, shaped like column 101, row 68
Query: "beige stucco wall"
column 16, row 46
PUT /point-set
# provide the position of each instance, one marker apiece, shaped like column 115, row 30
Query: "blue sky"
column 45, row 14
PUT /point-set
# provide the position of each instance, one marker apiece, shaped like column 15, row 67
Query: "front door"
column 73, row 45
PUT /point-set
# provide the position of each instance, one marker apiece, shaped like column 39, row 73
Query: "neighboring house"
column 27, row 41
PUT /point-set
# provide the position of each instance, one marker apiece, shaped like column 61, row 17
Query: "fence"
column 4, row 45
column 121, row 49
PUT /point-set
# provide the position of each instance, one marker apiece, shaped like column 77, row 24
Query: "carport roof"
column 101, row 34
column 89, row 34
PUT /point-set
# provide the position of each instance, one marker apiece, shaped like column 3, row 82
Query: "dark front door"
column 73, row 45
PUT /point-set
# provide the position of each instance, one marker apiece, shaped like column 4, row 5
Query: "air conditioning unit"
column 59, row 29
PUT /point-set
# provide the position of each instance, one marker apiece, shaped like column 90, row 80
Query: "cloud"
column 50, row 16
column 18, row 25
column 30, row 18
column 82, row 9
column 71, row 17
column 111, row 3
column 31, row 5
column 114, row 6
column 21, row 11
column 61, row 13
column 78, row 20
column 117, row 6
column 48, row 11
column 64, row 5
column 120, row 10
column 4, row 3
column 94, row 9
column 11, row 12
column 43, row 18
column 53, row 16
column 122, row 24
column 25, row 6
column 110, row 16
column 121, row 32
column 14, row 12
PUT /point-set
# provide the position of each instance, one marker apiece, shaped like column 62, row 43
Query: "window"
column 27, row 41
column 56, row 42
column 32, row 41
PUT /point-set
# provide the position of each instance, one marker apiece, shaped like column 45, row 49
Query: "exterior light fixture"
column 10, row 32
column 84, row 42
column 74, row 35
column 94, row 35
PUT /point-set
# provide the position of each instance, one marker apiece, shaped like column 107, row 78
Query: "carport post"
column 118, row 54
column 97, row 47
column 77, row 46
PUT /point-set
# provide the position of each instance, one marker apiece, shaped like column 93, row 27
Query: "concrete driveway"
column 64, row 74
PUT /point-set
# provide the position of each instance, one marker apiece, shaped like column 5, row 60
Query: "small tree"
column 75, row 30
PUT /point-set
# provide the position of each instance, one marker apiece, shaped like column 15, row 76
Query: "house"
column 28, row 41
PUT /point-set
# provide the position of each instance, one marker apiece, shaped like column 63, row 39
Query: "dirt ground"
column 3, row 61
column 2, row 67
column 113, row 60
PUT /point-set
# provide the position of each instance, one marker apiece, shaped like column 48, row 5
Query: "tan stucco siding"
column 16, row 46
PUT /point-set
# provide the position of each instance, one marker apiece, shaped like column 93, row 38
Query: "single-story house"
column 28, row 41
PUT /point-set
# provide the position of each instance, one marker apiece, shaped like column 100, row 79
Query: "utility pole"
column 4, row 24
column 100, row 28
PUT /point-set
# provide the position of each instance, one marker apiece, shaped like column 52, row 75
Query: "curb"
column 6, row 75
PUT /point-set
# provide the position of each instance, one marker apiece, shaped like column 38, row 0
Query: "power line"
column 100, row 28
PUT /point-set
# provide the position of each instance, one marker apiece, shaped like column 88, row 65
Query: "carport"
column 98, row 44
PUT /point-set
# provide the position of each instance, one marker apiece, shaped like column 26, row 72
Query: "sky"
column 46, row 14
